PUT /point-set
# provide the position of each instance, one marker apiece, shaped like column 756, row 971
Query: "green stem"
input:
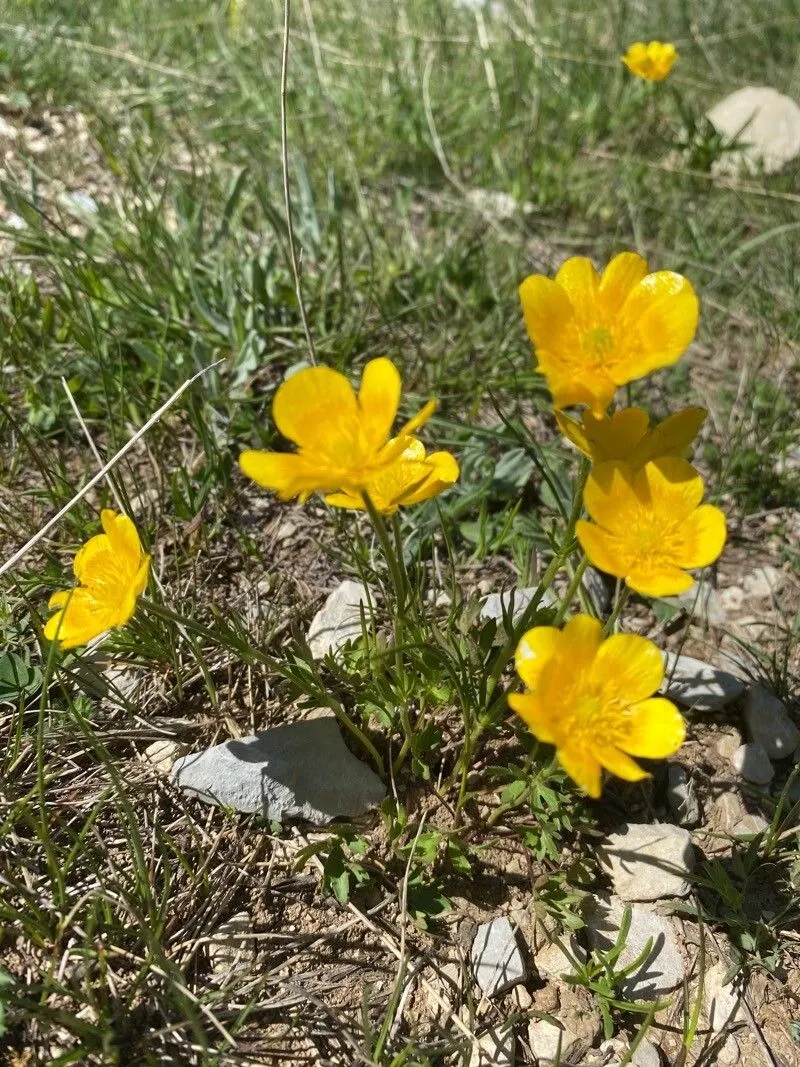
column 572, row 589
column 620, row 600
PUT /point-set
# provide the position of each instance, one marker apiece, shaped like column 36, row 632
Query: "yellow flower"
column 112, row 570
column 595, row 333
column 343, row 440
column 410, row 479
column 652, row 61
column 650, row 527
column 593, row 700
column 625, row 435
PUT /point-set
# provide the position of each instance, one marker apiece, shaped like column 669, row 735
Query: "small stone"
column 732, row 598
column 520, row 998
column 78, row 203
column 285, row 531
column 752, row 763
column 495, row 1048
column 765, row 122
column 727, row 810
column 701, row 601
column 768, row 723
column 649, row 862
column 442, row 989
column 493, row 202
column 646, row 1055
column 730, row 1053
column 162, row 754
column 551, row 961
column 339, row 619
column 721, row 1003
column 662, row 970
column 728, row 743
column 302, row 770
column 497, row 605
column 7, row 131
column 698, row 685
column 762, row 583
column 550, row 1044
column 681, row 796
column 230, row 947
column 752, row 823
column 497, row 962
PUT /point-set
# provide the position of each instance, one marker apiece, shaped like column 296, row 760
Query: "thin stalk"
column 620, row 600
column 572, row 589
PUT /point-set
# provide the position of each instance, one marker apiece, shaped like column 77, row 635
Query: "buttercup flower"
column 650, row 527
column 410, row 479
column 344, row 443
column 652, row 61
column 593, row 699
column 625, row 436
column 112, row 571
column 593, row 333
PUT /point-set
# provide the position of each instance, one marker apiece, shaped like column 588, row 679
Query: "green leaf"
column 336, row 875
column 17, row 678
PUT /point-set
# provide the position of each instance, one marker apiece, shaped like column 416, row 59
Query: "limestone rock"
column 762, row 583
column 302, row 770
column 497, row 605
column 764, row 121
column 551, row 961
column 752, row 763
column 649, row 862
column 646, row 1055
column 494, row 1048
column 728, row 742
column 339, row 619
column 497, row 962
column 751, row 823
column 162, row 754
column 681, row 796
column 769, row 724
column 721, row 1003
column 698, row 685
column 662, row 970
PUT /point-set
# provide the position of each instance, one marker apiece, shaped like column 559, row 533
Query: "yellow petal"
column 58, row 600
column 620, row 276
column 123, row 537
column 658, row 578
column 669, row 487
column 534, row 714
column 618, row 763
column 141, row 576
column 628, row 667
column 611, row 496
column 578, row 278
column 378, row 400
column 605, row 551
column 582, row 768
column 316, row 408
column 672, row 437
column 658, row 322
column 92, row 558
column 703, row 534
column 414, row 423
column 654, row 730
column 535, row 650
column 572, row 387
column 546, row 309
column 81, row 620
column 574, row 432
column 615, row 437
column 443, row 472
column 583, row 636
column 287, row 473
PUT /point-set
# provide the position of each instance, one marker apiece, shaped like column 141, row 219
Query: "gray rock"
column 728, row 743
column 721, row 1003
column 231, row 946
column 752, row 763
column 497, row 605
column 339, row 619
column 551, row 961
column 649, row 862
column 494, row 1048
column 663, row 968
column 764, row 121
column 698, row 685
column 769, row 724
column 730, row 1053
column 681, row 796
column 497, row 962
column 161, row 754
column 646, row 1055
column 701, row 601
column 300, row 771
column 493, row 202
column 78, row 203
column 752, row 823
column 762, row 583
column 551, row 1044
column 7, row 131
column 732, row 598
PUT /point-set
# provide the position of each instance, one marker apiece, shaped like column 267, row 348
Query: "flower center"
column 597, row 343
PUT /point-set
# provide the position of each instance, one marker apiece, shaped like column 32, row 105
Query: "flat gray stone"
column 762, row 583
column 300, row 771
column 338, row 620
column 662, row 970
column 497, row 962
column 646, row 1055
column 721, row 1003
column 681, row 796
column 752, row 823
column 703, row 602
column 764, row 121
column 494, row 1048
column 551, row 1044
column 768, row 723
column 698, row 685
column 752, row 762
column 649, row 862
column 550, row 961
column 161, row 754
column 497, row 605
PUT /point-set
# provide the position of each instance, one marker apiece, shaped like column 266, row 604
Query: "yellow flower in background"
column 625, row 434
column 649, row 526
column 410, row 479
column 593, row 699
column 343, row 439
column 112, row 571
column 652, row 61
column 593, row 333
